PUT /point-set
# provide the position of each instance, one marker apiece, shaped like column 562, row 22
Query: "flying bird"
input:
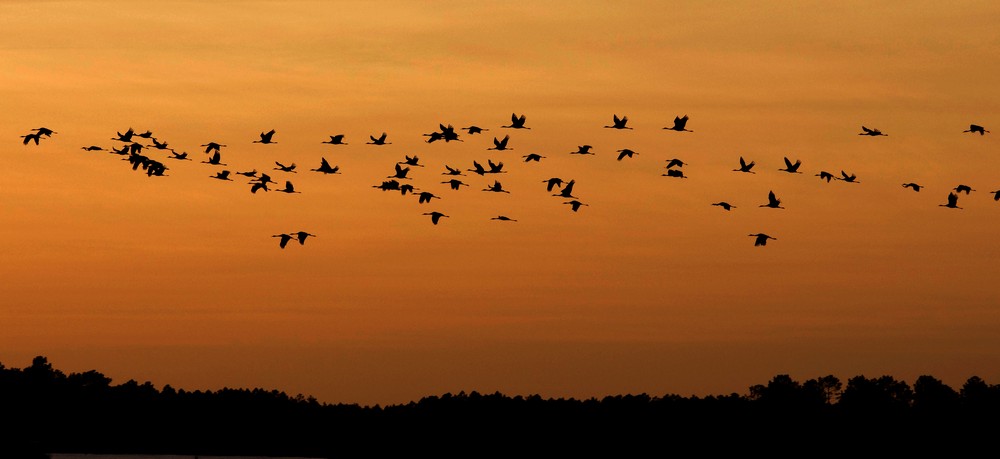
column 503, row 218
column 411, row 161
column 619, row 123
column 567, row 190
column 378, row 141
column 532, row 157
column 575, row 205
column 625, row 152
column 181, row 156
column 215, row 160
column 258, row 186
column 44, row 131
column 474, row 129
column 496, row 188
column 265, row 137
column 552, row 183
column 93, row 148
column 975, row 128
column 221, row 175
column 336, row 140
column 914, row 186
column 406, row 188
column 250, row 174
column 964, row 189
column 284, row 168
column 772, row 201
column 871, row 132
column 400, row 172
column 289, row 188
column 500, row 144
column 824, row 175
column 761, row 239
column 724, row 205
column 126, row 137
column 790, row 167
column 952, row 201
column 452, row 171
column 302, row 235
column 516, row 122
column 325, row 167
column 674, row 173
column 284, row 239
column 455, row 183
column 477, row 168
column 582, row 150
column 848, row 178
column 426, row 196
column 209, row 147
column 435, row 216
column 679, row 124
column 495, row 168
column 34, row 136
column 745, row 167
column 675, row 162
column 996, row 195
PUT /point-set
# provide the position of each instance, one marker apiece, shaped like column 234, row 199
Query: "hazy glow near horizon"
column 649, row 288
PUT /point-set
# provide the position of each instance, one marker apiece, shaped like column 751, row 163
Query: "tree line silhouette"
column 48, row 411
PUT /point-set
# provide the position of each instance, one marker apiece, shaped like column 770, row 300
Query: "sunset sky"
column 649, row 288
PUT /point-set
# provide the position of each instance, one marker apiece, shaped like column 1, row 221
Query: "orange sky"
column 177, row 280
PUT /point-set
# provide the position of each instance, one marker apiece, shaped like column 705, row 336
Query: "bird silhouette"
column 516, row 122
column 284, row 238
column 761, row 239
column 126, row 137
column 500, row 144
column 477, row 168
column 495, row 168
column 772, row 201
column 963, row 189
column 379, row 141
column 388, row 185
column 146, row 135
column 400, row 172
column 284, row 168
column 435, row 216
column 575, row 205
column 336, row 140
column 215, row 160
column 975, row 128
column 302, row 235
column 33, row 136
column 426, row 196
column 582, row 150
column 503, row 218
column 411, row 161
column 250, row 174
column 265, row 137
column 745, row 167
column 847, row 178
column 264, row 178
column 552, row 183
column 257, row 186
column 160, row 145
column 44, row 131
column 474, row 129
column 625, row 152
column 456, row 183
column 93, row 148
column 724, row 205
column 675, row 162
column 674, row 173
column 181, row 156
column 679, row 124
column 952, row 201
column 914, row 186
column 996, row 195
column 221, row 175
column 289, row 188
column 870, row 132
column 567, row 190
column 452, row 171
column 496, row 188
column 209, row 147
column 325, row 167
column 532, row 157
column 619, row 123
column 824, row 175
column 792, row 168
column 406, row 188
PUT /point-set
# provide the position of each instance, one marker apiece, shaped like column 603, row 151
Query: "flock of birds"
column 131, row 147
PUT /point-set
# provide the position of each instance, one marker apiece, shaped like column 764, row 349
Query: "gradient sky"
column 177, row 280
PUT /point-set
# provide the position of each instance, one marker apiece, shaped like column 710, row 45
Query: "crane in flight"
column 582, row 150
column 912, row 185
column 378, row 141
column 761, row 239
column 532, row 157
column 435, row 216
column 619, row 123
column 952, row 201
column 516, row 122
column 575, row 205
column 824, row 175
column 500, row 144
column 871, row 132
column 302, row 235
column 324, row 167
column 336, row 140
column 503, row 218
column 724, row 205
column 284, row 168
column 792, row 168
column 680, row 123
column 975, row 128
column 745, row 167
column 847, row 178
column 265, row 137
column 963, row 189
column 625, row 152
column 772, row 201
column 284, row 238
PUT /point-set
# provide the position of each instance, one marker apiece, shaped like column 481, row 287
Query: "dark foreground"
column 47, row 411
